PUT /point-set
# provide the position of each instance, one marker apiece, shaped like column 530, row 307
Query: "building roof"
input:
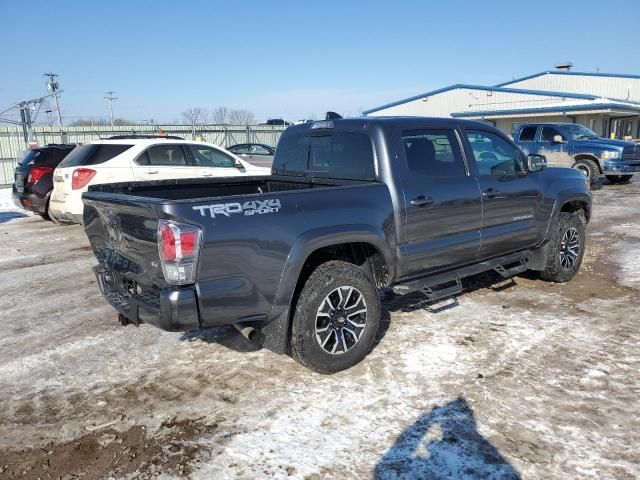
column 562, row 72
column 484, row 88
column 574, row 106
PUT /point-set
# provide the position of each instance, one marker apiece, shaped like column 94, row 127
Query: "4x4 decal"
column 255, row 207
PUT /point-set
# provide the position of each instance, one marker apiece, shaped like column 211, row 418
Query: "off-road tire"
column 589, row 168
column 619, row 178
column 305, row 347
column 554, row 270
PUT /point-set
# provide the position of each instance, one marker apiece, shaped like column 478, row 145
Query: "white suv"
column 126, row 159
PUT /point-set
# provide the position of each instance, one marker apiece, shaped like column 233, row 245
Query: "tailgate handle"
column 421, row 201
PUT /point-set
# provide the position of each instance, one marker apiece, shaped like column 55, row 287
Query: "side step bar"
column 435, row 287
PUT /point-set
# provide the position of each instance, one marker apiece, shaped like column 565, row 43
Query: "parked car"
column 256, row 153
column 33, row 178
column 131, row 158
column 276, row 121
column 296, row 260
column 570, row 144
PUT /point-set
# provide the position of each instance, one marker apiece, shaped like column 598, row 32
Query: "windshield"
column 580, row 133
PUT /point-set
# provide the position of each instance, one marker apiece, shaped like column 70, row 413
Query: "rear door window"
column 171, row 155
column 433, row 153
column 93, row 154
column 528, row 134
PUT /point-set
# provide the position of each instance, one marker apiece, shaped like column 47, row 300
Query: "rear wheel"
column 566, row 248
column 336, row 318
column 619, row 178
column 589, row 168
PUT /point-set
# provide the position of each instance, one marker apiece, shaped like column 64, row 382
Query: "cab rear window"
column 337, row 155
column 93, row 154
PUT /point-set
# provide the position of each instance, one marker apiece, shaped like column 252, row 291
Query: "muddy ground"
column 512, row 379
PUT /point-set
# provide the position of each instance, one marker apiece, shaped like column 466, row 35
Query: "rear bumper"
column 620, row 167
column 171, row 309
column 64, row 217
column 30, row 201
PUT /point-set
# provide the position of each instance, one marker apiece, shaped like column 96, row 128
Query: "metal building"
column 608, row 103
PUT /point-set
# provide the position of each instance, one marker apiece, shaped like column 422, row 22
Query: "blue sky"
column 295, row 58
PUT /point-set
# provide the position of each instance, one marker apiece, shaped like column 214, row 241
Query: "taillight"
column 80, row 177
column 178, row 245
column 36, row 173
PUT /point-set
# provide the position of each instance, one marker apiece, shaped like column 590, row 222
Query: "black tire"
column 619, row 178
column 559, row 268
column 589, row 168
column 333, row 280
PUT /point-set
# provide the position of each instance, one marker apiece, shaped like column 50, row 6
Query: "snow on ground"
column 513, row 379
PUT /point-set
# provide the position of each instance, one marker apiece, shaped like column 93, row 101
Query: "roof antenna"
column 332, row 116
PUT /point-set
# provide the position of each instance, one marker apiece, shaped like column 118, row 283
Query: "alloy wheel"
column 341, row 320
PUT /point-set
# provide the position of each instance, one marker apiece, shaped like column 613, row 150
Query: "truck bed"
column 194, row 188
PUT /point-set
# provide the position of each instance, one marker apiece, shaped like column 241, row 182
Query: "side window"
column 259, row 150
column 528, row 134
column 165, row 155
column 493, row 154
column 240, row 149
column 548, row 133
column 433, row 153
column 210, row 157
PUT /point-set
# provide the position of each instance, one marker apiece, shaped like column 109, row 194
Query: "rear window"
column 342, row 155
column 30, row 156
column 93, row 154
column 528, row 134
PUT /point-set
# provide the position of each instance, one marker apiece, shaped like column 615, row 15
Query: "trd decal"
column 254, row 207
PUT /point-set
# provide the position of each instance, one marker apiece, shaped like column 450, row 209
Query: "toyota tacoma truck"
column 576, row 146
column 297, row 260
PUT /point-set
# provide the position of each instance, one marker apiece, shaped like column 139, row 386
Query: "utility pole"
column 54, row 87
column 111, row 98
column 48, row 112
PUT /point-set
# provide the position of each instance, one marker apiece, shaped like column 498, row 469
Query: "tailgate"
column 122, row 230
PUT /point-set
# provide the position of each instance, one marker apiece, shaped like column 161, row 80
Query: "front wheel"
column 619, row 178
column 566, row 248
column 336, row 318
column 589, row 169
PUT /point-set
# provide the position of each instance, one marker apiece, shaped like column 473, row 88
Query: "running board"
column 505, row 266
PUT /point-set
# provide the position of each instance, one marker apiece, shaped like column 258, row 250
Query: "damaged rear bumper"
column 171, row 309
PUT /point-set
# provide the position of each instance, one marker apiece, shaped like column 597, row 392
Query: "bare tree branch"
column 220, row 115
column 241, row 117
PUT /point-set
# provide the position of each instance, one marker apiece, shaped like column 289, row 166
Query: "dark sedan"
column 258, row 154
column 34, row 177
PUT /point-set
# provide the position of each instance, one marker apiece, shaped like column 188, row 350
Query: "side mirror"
column 558, row 139
column 536, row 162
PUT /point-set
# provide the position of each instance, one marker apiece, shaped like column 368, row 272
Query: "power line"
column 111, row 98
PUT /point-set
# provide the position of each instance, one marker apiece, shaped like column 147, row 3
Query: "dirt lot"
column 513, row 379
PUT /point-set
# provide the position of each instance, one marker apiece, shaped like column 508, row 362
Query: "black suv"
column 34, row 177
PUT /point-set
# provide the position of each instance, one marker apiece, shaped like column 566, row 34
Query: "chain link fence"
column 12, row 145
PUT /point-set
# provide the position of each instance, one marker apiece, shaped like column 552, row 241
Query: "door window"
column 259, row 150
column 164, row 155
column 528, row 134
column 493, row 154
column 240, row 149
column 433, row 153
column 548, row 133
column 210, row 157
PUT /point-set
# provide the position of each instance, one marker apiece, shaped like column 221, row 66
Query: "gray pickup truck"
column 296, row 260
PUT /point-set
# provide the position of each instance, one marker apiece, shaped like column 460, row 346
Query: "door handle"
column 491, row 193
column 151, row 172
column 421, row 201
column 207, row 174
